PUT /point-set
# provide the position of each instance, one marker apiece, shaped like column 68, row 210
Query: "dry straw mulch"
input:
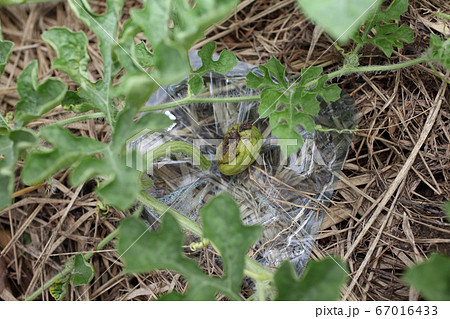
column 386, row 212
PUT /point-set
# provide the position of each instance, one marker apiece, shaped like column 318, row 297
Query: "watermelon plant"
column 131, row 73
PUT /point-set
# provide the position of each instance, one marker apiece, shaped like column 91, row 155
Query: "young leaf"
column 144, row 251
column 392, row 12
column 67, row 150
column 440, row 50
column 6, row 48
column 74, row 101
column 171, row 44
column 83, row 272
column 321, row 281
column 11, row 145
column 195, row 84
column 390, row 35
column 431, row 278
column 191, row 21
column 224, row 63
column 339, row 18
column 71, row 48
column 36, row 99
column 59, row 289
column 143, row 56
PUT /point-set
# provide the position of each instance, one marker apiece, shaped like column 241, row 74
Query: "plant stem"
column 190, row 100
column 252, row 268
column 183, row 147
column 81, row 118
column 368, row 26
column 187, row 100
column 102, row 243
column 68, row 270
column 372, row 68
column 261, row 290
column 48, row 284
column 437, row 73
column 161, row 209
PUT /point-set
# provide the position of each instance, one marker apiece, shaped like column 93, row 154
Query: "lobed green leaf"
column 105, row 28
column 222, row 225
column 120, row 184
column 281, row 102
column 270, row 100
column 288, row 138
column 144, row 251
column 11, row 145
column 136, row 88
column 307, row 97
column 222, row 65
column 321, row 280
column 390, row 35
column 67, row 150
column 273, row 76
column 431, row 278
column 392, row 12
column 126, row 128
column 71, row 48
column 36, row 99
column 171, row 43
column 76, row 102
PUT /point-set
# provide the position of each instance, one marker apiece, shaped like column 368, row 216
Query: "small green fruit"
column 239, row 149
